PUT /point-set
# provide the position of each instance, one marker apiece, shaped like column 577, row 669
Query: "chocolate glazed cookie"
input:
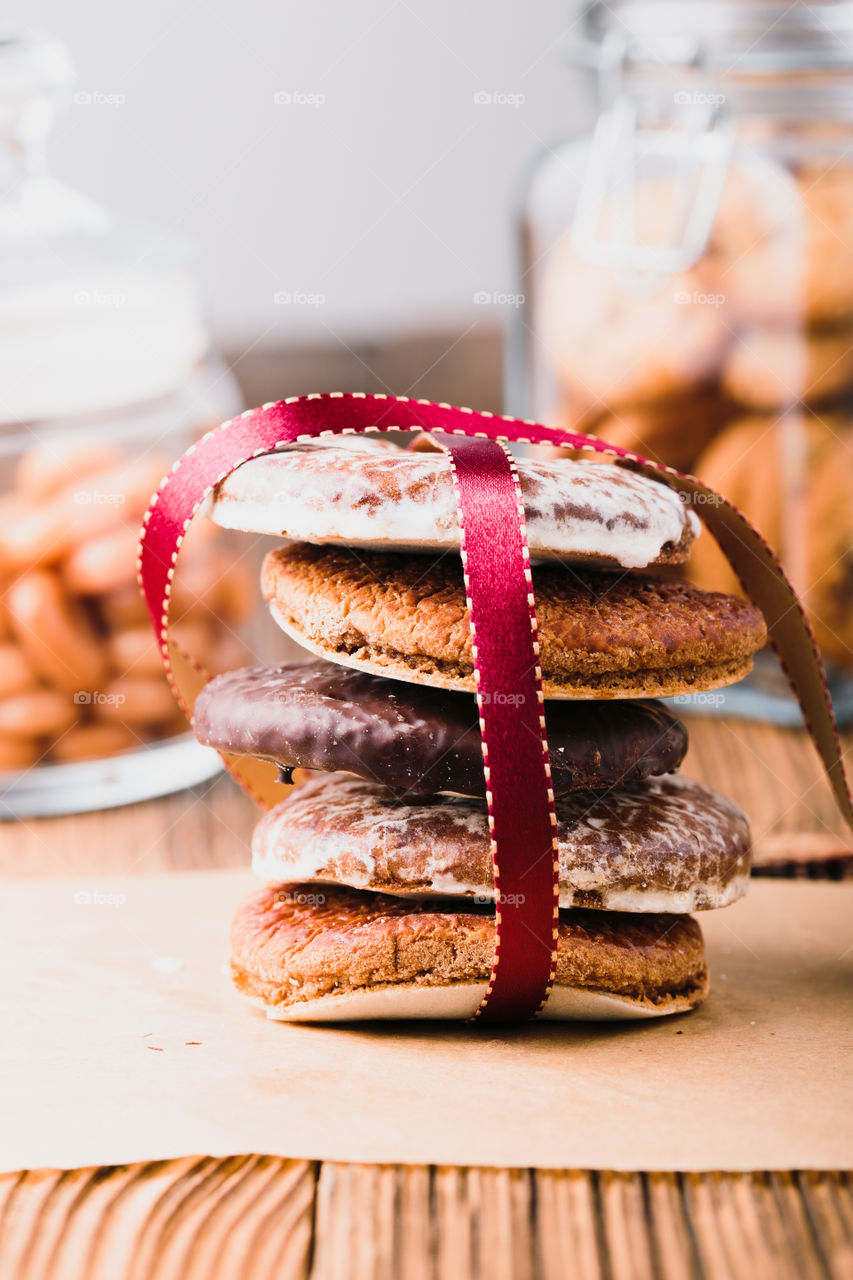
column 318, row 715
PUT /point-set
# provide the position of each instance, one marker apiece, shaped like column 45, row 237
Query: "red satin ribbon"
column 504, row 633
column 519, row 794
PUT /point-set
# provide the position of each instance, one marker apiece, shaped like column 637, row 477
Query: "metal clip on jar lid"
column 667, row 75
column 735, row 38
column 689, row 144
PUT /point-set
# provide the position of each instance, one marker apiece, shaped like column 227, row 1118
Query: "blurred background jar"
column 687, row 265
column 106, row 375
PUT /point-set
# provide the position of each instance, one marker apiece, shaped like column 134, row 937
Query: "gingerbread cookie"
column 304, row 955
column 781, row 241
column 615, row 339
column 772, row 368
column 793, row 477
column 667, row 844
column 673, row 432
column 319, row 715
column 601, row 635
column 365, row 492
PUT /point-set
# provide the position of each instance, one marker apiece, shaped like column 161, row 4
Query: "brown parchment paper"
column 123, row 1041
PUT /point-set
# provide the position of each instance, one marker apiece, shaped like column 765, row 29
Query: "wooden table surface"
column 254, row 1215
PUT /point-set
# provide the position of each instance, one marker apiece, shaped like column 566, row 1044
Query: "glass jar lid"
column 731, row 38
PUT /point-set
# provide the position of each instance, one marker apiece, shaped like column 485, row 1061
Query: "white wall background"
column 391, row 198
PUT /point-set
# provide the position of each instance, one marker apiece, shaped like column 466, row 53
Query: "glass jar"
column 106, row 375
column 686, row 262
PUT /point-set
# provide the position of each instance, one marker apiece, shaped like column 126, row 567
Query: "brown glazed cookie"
column 793, row 477
column 781, row 240
column 667, row 844
column 673, row 432
column 320, row 715
column 614, row 345
column 601, row 635
column 362, row 492
column 771, row 368
column 338, row 955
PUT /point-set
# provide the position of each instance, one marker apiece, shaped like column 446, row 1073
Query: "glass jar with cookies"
column 106, row 371
column 686, row 261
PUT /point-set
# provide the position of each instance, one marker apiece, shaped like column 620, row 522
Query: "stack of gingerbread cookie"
column 379, row 894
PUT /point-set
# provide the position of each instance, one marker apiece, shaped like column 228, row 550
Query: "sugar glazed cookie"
column 667, row 844
column 366, row 492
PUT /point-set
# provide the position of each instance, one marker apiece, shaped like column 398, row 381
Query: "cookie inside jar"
column 686, row 264
column 81, row 678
